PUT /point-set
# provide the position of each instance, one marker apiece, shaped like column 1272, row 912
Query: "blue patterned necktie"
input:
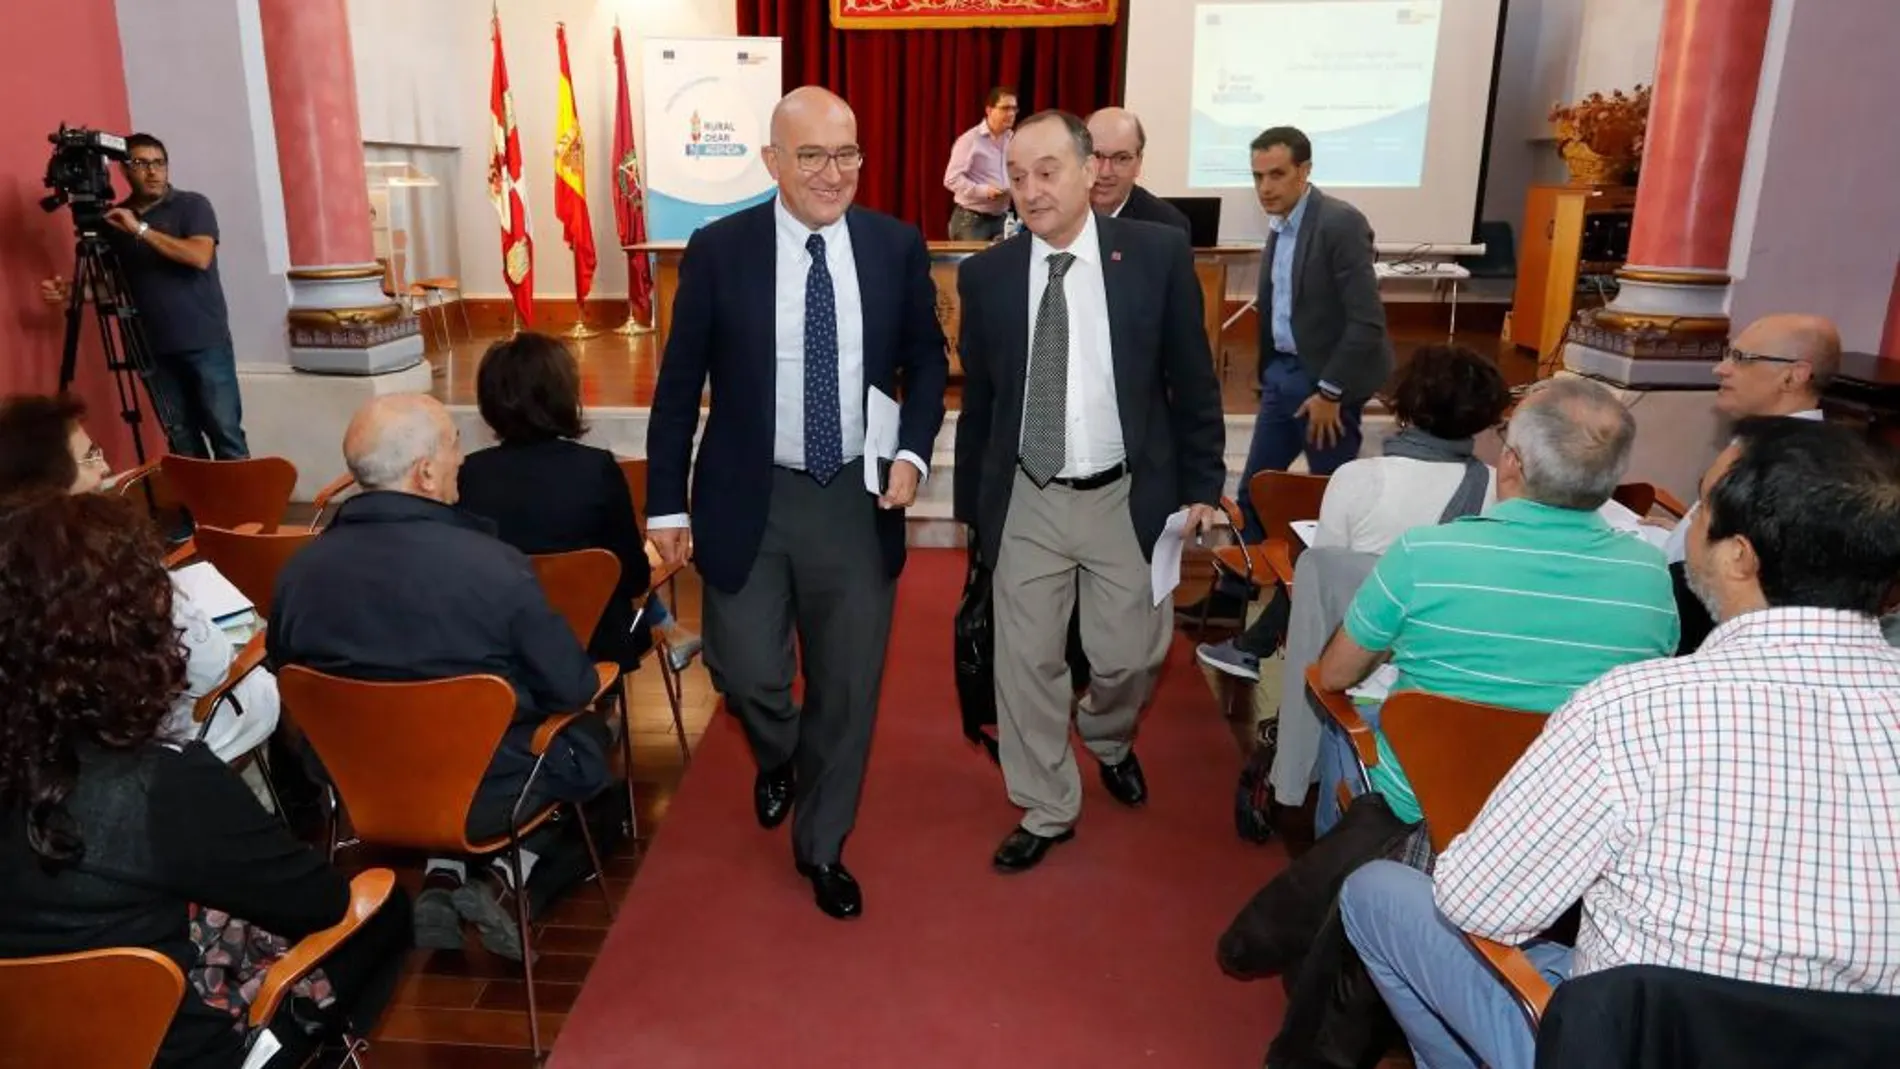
column 824, row 433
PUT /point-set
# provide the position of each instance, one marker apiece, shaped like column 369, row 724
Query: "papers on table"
column 224, row 603
column 880, row 437
column 1307, row 530
column 1164, row 569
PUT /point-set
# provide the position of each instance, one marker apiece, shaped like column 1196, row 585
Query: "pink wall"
column 1827, row 224
column 71, row 71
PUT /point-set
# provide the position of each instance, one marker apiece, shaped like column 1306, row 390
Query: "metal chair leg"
column 626, row 746
column 527, row 938
column 675, row 697
column 593, row 855
column 461, row 305
column 334, row 820
column 261, row 758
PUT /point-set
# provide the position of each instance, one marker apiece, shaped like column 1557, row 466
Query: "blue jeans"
column 1339, row 763
column 1279, row 437
column 1455, row 1013
column 196, row 395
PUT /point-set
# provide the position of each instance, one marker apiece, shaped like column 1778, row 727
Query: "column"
column 1669, row 321
column 339, row 318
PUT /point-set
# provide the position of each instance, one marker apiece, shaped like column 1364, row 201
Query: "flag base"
column 632, row 328
column 581, row 331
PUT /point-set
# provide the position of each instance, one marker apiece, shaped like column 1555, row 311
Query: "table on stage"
column 1210, row 268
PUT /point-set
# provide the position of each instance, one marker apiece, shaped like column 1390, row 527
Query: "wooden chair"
column 250, row 559
column 1279, row 498
column 1455, row 753
column 327, row 497
column 227, row 493
column 50, row 1006
column 634, row 470
column 435, row 293
column 579, row 584
column 406, row 760
column 248, row 660
column 1642, row 498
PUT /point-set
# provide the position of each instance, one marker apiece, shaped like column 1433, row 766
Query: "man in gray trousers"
column 1090, row 413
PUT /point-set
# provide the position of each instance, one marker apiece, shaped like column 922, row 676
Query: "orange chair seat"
column 1272, row 561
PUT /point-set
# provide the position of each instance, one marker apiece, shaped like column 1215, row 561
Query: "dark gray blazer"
column 1145, row 207
column 1338, row 319
column 1165, row 389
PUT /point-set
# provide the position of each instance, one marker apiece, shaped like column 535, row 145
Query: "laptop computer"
column 1203, row 219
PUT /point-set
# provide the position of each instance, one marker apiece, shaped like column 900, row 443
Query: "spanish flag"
column 570, row 179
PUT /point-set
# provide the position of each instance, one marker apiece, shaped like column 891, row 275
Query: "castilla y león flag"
column 570, row 179
column 505, row 187
column 629, row 207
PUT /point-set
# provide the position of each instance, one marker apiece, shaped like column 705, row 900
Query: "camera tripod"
column 98, row 274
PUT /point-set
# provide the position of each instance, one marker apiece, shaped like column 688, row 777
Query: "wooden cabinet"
column 1569, row 232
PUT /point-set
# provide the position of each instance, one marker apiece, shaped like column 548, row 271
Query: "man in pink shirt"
column 976, row 176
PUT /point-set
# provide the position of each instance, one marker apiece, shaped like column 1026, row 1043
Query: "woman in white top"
column 44, row 448
column 1444, row 397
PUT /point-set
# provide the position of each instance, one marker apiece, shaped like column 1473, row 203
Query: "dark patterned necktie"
column 1046, row 402
column 824, row 434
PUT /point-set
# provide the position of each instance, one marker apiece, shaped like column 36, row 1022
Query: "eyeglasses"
column 1743, row 358
column 1117, row 160
column 812, row 159
column 95, row 457
column 146, row 165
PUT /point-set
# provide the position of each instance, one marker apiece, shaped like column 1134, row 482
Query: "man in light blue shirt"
column 1323, row 344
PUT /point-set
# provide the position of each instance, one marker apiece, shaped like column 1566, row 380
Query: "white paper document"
column 214, row 593
column 1377, row 686
column 1164, row 569
column 1620, row 517
column 264, row 1047
column 1307, row 530
column 880, row 435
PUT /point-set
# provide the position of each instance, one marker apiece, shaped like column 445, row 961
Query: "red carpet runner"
column 1100, row 958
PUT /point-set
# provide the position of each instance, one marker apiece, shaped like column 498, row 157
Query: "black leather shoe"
column 1023, row 849
column 834, row 890
column 1125, row 782
column 772, row 795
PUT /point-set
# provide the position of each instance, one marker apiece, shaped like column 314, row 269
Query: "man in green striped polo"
column 1518, row 607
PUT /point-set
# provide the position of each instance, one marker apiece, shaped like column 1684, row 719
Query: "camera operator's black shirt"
column 181, row 306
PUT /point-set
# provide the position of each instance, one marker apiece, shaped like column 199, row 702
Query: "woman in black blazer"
column 545, row 491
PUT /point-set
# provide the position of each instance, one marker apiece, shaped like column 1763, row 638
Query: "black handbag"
column 974, row 654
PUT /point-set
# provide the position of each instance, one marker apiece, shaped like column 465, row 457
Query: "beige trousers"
column 1060, row 545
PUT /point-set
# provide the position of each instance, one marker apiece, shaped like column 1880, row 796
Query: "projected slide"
column 1355, row 75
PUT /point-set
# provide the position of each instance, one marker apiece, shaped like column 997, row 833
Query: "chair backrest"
column 50, row 1008
column 1279, row 498
column 1454, row 753
column 405, row 757
column 579, row 584
column 250, row 560
column 635, row 472
column 230, row 493
column 1637, row 497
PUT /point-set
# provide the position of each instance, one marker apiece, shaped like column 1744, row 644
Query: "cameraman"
column 167, row 243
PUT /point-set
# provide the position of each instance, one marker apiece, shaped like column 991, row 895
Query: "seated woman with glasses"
column 112, row 835
column 44, row 448
column 1444, row 397
column 548, row 493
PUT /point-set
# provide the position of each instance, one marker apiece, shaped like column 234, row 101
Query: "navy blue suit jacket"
column 725, row 331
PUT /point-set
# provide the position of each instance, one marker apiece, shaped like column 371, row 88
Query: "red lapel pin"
column 1116, row 256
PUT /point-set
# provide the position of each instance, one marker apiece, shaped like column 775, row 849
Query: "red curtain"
column 914, row 91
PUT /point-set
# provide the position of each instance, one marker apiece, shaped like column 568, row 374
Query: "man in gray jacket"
column 1323, row 345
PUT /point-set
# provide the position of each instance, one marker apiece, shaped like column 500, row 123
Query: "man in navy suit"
column 794, row 310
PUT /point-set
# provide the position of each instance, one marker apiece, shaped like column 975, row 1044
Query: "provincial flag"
column 629, row 198
column 505, row 187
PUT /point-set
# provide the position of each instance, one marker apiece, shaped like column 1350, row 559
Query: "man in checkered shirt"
column 1735, row 812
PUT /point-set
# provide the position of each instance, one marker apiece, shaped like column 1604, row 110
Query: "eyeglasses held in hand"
column 812, row 159
column 95, row 457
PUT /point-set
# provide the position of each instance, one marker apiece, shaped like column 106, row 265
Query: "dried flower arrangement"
column 1601, row 137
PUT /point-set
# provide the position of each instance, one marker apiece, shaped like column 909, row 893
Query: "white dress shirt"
column 1094, row 433
column 1677, row 547
column 793, row 265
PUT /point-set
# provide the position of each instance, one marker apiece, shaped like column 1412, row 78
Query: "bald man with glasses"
column 1779, row 365
column 793, row 311
column 1120, row 143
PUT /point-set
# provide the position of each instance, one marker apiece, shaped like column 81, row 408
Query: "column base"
column 1666, row 328
column 301, row 416
column 341, row 323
